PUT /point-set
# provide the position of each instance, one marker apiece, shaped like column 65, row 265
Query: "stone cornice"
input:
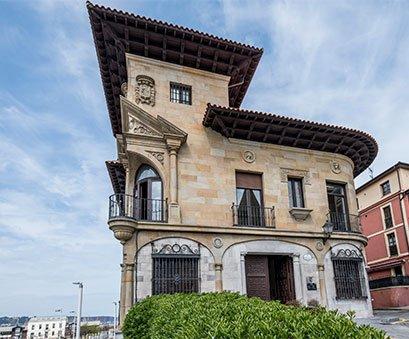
column 268, row 232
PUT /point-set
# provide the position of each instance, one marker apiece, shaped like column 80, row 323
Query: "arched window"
column 148, row 194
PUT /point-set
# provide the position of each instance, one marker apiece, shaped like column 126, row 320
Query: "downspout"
column 403, row 211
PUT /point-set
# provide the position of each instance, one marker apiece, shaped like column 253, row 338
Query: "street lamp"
column 328, row 229
column 115, row 304
column 78, row 327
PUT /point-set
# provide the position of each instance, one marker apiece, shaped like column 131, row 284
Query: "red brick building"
column 383, row 204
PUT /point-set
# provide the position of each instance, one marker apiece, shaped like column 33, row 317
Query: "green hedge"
column 230, row 315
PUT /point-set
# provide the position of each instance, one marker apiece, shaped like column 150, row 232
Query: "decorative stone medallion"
column 145, row 90
column 249, row 156
column 319, row 246
column 158, row 155
column 307, row 257
column 217, row 242
column 124, row 89
column 335, row 167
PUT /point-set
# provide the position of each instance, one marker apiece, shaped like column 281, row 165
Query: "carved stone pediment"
column 136, row 121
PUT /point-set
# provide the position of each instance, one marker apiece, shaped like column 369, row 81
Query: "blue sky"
column 337, row 62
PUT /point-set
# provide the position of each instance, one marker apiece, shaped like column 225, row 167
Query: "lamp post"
column 78, row 327
column 115, row 311
column 328, row 229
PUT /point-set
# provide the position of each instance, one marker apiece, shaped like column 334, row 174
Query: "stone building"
column 384, row 209
column 209, row 196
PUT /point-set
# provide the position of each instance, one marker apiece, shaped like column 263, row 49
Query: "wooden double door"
column 270, row 277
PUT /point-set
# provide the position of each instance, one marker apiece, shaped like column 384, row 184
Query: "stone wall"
column 207, row 162
column 362, row 307
column 304, row 261
column 144, row 266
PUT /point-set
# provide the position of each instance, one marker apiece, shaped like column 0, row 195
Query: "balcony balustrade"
column 343, row 222
column 128, row 206
column 400, row 280
column 253, row 216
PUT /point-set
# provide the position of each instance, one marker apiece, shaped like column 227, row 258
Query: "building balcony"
column 401, row 280
column 253, row 216
column 140, row 209
column 343, row 222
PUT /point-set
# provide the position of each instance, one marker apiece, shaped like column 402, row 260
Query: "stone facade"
column 197, row 167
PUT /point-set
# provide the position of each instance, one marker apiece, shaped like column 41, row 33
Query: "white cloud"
column 338, row 62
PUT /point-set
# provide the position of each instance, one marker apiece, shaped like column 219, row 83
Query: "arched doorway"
column 148, row 194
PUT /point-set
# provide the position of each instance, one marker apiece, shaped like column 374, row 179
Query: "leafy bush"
column 230, row 315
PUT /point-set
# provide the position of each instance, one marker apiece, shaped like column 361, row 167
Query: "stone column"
column 243, row 273
column 128, row 286
column 122, row 297
column 219, row 277
column 173, row 176
column 128, row 192
column 174, row 209
column 298, row 278
column 323, row 288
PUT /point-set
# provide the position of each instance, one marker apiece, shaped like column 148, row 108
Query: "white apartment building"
column 46, row 327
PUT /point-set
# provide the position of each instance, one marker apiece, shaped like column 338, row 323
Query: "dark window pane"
column 386, row 188
column 180, row 93
column 338, row 207
column 387, row 216
column 348, row 281
column 393, row 248
column 295, row 192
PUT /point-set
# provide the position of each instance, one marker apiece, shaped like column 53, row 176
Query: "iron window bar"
column 401, row 280
column 128, row 206
column 180, row 93
column 349, row 277
column 253, row 216
column 344, row 222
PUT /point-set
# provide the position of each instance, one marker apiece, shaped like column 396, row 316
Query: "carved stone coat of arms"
column 145, row 90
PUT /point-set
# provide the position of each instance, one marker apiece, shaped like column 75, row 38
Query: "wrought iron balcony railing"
column 253, row 216
column 400, row 280
column 124, row 205
column 343, row 222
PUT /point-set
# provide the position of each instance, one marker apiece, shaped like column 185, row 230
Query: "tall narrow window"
column 180, row 93
column 249, row 199
column 387, row 217
column 149, row 203
column 338, row 209
column 393, row 247
column 386, row 188
column 295, row 192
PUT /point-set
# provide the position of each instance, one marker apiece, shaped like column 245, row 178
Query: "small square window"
column 386, row 188
column 393, row 247
column 295, row 192
column 180, row 93
column 387, row 217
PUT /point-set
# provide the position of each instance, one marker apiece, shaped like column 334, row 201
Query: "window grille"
column 180, row 93
column 175, row 270
column 348, row 275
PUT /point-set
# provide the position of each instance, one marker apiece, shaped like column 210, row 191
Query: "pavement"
column 395, row 322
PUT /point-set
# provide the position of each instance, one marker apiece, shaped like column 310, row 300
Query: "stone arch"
column 144, row 263
column 362, row 307
column 304, row 265
column 272, row 239
column 138, row 159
